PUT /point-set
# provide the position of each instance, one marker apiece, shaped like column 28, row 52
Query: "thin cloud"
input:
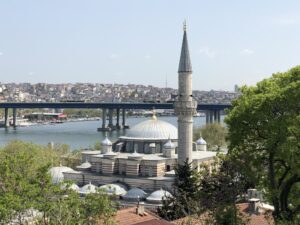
column 247, row 51
column 1, row 53
column 207, row 52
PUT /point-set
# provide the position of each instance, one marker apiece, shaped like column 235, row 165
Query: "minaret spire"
column 185, row 64
column 185, row 106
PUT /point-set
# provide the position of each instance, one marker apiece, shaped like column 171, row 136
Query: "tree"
column 214, row 134
column 26, row 184
column 264, row 137
column 98, row 208
column 97, row 145
column 184, row 201
column 19, row 163
column 219, row 192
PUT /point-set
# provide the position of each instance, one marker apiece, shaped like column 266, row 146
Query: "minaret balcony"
column 185, row 107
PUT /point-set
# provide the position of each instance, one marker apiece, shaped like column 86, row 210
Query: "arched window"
column 140, row 170
column 168, row 168
column 135, row 147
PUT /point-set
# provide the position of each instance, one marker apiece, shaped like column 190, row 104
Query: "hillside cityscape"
column 97, row 92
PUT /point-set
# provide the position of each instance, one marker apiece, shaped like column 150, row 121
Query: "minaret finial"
column 184, row 26
column 154, row 114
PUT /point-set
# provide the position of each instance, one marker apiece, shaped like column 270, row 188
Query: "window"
column 168, row 168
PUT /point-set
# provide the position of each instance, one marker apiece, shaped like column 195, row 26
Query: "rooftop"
column 197, row 155
column 128, row 216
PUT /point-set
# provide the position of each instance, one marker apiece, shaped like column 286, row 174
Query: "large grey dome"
column 135, row 194
column 88, row 189
column 113, row 189
column 158, row 196
column 152, row 129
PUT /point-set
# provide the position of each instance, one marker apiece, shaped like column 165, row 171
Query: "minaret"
column 185, row 106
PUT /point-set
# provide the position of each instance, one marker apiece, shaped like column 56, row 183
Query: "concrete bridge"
column 213, row 111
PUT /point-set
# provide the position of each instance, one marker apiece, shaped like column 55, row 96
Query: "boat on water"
column 22, row 123
column 199, row 114
column 19, row 123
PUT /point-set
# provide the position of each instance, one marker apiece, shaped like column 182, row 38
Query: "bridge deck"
column 65, row 105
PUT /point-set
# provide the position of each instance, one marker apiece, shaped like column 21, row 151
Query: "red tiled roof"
column 154, row 222
column 252, row 219
column 128, row 216
column 255, row 219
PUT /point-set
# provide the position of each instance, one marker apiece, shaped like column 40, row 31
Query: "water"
column 76, row 134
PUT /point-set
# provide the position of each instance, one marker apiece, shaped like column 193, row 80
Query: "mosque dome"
column 106, row 142
column 169, row 145
column 88, row 189
column 135, row 156
column 113, row 189
column 152, row 129
column 201, row 141
column 158, row 196
column 134, row 194
column 57, row 175
column 73, row 187
column 85, row 165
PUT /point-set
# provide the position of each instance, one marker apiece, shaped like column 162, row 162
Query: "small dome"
column 169, row 145
column 135, row 194
column 73, row 187
column 88, row 189
column 152, row 129
column 57, row 175
column 158, row 196
column 135, row 155
column 201, row 141
column 106, row 142
column 113, row 189
column 85, row 165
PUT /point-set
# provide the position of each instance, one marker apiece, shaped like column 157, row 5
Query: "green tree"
column 98, row 209
column 219, row 192
column 26, row 184
column 19, row 167
column 97, row 145
column 184, row 201
column 264, row 137
column 214, row 134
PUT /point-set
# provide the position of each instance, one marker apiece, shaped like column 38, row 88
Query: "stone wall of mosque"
column 132, row 168
column 128, row 167
column 96, row 165
column 147, row 184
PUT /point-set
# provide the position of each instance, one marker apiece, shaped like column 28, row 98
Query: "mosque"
column 143, row 161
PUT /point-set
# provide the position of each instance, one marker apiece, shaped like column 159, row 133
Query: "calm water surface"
column 76, row 134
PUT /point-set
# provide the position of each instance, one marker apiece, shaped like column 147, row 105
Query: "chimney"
column 253, row 205
column 140, row 209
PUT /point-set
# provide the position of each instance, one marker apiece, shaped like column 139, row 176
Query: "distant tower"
column 185, row 106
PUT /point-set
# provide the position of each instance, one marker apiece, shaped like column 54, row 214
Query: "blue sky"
column 138, row 41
